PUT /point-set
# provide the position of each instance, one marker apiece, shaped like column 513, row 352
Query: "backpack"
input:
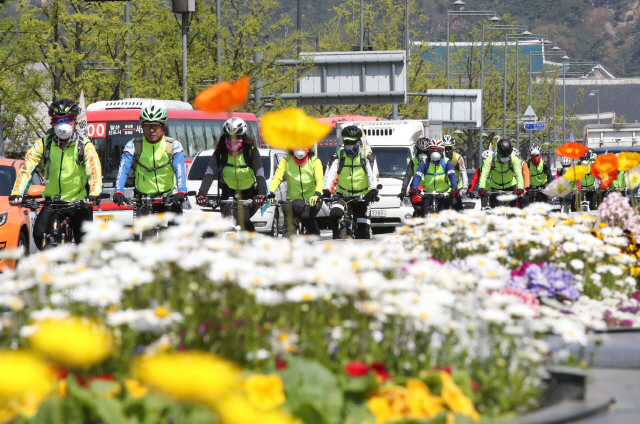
column 443, row 164
column 137, row 149
column 493, row 163
column 47, row 150
column 363, row 160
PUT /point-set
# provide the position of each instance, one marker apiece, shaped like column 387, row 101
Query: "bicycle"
column 436, row 199
column 146, row 203
column 493, row 198
column 61, row 231
column 297, row 224
column 585, row 204
column 536, row 195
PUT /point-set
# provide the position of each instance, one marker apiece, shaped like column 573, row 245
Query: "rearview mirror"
column 36, row 191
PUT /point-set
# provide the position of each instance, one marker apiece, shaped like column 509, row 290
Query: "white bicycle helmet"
column 516, row 152
column 449, row 140
column 535, row 149
column 486, row 154
column 565, row 161
column 235, row 126
column 436, row 144
column 592, row 155
column 154, row 113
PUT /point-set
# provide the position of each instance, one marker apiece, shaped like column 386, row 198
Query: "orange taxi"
column 15, row 222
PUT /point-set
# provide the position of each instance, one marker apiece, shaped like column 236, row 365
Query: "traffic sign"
column 529, row 115
column 536, row 126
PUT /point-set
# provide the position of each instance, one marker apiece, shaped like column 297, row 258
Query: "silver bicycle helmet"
column 565, row 161
column 235, row 126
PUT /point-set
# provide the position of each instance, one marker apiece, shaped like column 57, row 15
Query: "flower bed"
column 469, row 294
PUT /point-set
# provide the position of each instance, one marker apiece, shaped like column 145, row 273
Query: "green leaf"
column 309, row 414
column 360, row 385
column 440, row 419
column 50, row 412
column 110, row 411
column 308, row 382
column 358, row 413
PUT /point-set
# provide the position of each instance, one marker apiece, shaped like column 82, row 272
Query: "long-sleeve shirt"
column 254, row 162
column 408, row 176
column 424, row 167
column 463, row 173
column 332, row 171
column 497, row 179
column 526, row 174
column 34, row 156
column 474, row 180
column 282, row 169
column 127, row 160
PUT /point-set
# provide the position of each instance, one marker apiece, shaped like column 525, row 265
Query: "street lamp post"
column 556, row 51
column 465, row 13
column 564, row 98
column 597, row 94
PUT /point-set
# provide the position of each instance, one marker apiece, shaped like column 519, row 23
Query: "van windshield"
column 392, row 161
column 194, row 134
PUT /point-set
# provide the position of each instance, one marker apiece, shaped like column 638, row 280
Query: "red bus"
column 112, row 124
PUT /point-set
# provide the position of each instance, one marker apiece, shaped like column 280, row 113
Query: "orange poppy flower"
column 606, row 164
column 605, row 174
column 628, row 160
column 572, row 150
column 223, row 96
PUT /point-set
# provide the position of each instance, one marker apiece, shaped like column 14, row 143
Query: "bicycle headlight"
column 3, row 218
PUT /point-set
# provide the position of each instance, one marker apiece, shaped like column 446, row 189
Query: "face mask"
column 585, row 162
column 421, row 156
column 300, row 153
column 565, row 169
column 234, row 150
column 352, row 149
column 535, row 160
column 503, row 160
column 63, row 131
column 435, row 156
column 448, row 153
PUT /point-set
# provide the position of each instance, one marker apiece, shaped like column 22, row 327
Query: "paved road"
column 624, row 386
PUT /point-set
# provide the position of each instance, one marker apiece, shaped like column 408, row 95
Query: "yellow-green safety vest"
column 159, row 177
column 64, row 175
column 538, row 176
column 588, row 181
column 237, row 174
column 352, row 176
column 301, row 179
column 435, row 178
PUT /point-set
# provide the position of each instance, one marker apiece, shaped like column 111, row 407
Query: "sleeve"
column 484, row 175
column 526, row 174
column 547, row 170
column 178, row 167
column 209, row 176
column 319, row 174
column 31, row 160
column 372, row 168
column 408, row 176
column 125, row 165
column 451, row 173
column 517, row 167
column 279, row 175
column 331, row 171
column 93, row 168
column 422, row 168
column 258, row 170
column 463, row 173
column 474, row 180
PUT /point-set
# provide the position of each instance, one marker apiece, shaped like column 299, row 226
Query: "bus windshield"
column 392, row 161
column 194, row 134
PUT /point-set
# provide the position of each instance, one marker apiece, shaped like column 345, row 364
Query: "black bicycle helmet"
column 504, row 148
column 63, row 107
column 352, row 132
column 422, row 144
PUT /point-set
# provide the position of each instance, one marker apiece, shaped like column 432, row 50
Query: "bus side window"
column 198, row 139
column 215, row 126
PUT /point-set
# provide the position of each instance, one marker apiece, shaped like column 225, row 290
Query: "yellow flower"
column 135, row 389
column 190, row 375
column 265, row 392
column 291, row 128
column 161, row 312
column 380, row 407
column 26, row 380
column 455, row 400
column 236, row 409
column 576, row 173
column 628, row 160
column 421, row 403
column 73, row 341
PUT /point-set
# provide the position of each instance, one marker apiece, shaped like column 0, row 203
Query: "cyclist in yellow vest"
column 302, row 170
column 461, row 170
column 435, row 174
column 421, row 152
column 540, row 174
column 72, row 168
column 589, row 182
column 157, row 161
column 353, row 166
column 237, row 165
column 505, row 170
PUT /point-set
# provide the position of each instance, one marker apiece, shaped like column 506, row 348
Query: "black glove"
column 91, row 199
column 371, row 195
column 482, row 192
column 118, row 199
column 179, row 197
column 401, row 196
column 471, row 195
column 201, row 200
column 15, row 199
column 519, row 192
column 326, row 193
column 455, row 192
column 414, row 192
column 260, row 199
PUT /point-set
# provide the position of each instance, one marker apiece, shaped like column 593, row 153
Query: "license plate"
column 105, row 217
column 378, row 212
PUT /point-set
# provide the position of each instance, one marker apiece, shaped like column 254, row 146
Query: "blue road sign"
column 536, row 126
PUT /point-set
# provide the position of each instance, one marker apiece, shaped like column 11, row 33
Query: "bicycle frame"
column 347, row 225
column 436, row 198
column 61, row 231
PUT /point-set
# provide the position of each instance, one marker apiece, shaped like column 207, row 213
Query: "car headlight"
column 3, row 218
column 406, row 201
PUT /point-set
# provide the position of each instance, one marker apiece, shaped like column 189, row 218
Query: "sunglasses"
column 63, row 120
column 153, row 127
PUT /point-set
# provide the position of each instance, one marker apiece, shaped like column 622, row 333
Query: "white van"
column 392, row 143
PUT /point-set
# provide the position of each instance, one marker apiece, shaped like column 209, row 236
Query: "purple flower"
column 545, row 280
